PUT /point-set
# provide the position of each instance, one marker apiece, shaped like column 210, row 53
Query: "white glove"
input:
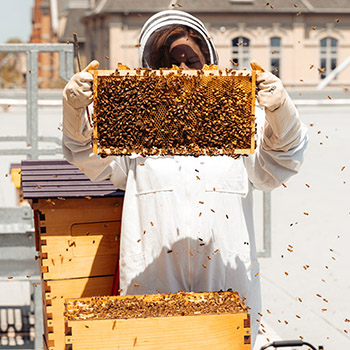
column 271, row 93
column 78, row 91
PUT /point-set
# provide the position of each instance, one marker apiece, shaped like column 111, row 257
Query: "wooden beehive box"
column 173, row 112
column 171, row 321
column 77, row 226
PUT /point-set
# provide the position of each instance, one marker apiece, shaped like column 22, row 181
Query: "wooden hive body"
column 77, row 237
column 160, row 321
column 162, row 333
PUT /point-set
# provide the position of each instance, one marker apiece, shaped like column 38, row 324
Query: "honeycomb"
column 157, row 305
column 174, row 112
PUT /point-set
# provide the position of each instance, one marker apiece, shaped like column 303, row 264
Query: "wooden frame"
column 234, row 74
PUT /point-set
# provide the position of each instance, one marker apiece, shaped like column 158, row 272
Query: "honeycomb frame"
column 175, row 105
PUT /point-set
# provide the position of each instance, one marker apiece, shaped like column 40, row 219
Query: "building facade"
column 299, row 40
column 55, row 21
column 69, row 20
column 43, row 32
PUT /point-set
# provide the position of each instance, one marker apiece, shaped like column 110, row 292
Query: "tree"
column 12, row 68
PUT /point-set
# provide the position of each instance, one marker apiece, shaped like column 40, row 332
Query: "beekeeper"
column 187, row 222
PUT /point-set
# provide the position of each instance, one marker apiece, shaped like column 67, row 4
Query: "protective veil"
column 169, row 18
column 187, row 222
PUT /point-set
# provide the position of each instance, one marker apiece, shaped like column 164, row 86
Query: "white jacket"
column 187, row 222
column 193, row 215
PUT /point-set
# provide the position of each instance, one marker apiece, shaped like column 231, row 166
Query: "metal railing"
column 266, row 252
column 17, row 251
column 66, row 70
column 17, row 223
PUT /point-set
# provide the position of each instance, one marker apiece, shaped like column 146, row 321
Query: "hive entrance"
column 174, row 113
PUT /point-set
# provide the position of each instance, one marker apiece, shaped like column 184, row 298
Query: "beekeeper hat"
column 169, row 18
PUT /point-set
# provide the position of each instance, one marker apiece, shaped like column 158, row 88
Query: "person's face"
column 185, row 53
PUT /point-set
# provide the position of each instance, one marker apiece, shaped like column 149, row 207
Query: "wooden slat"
column 59, row 182
column 104, row 209
column 45, row 162
column 80, row 267
column 186, row 332
column 132, row 72
column 51, row 171
column 38, row 165
column 40, row 176
column 253, row 111
column 71, row 288
column 45, row 187
column 60, row 217
column 73, row 194
column 91, row 239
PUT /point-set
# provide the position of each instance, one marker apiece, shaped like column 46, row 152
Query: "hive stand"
column 77, row 228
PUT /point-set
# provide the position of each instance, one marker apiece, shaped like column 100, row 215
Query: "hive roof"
column 58, row 178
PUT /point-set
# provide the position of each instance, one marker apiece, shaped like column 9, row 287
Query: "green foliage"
column 12, row 67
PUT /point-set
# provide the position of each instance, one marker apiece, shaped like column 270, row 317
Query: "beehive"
column 161, row 321
column 174, row 112
column 77, row 227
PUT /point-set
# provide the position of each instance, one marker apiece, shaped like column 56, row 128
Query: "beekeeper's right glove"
column 76, row 95
column 78, row 91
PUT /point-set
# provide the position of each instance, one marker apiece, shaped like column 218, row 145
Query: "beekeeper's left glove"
column 282, row 127
column 271, row 93
column 78, row 91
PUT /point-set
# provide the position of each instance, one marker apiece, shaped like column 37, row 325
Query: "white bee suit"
column 187, row 222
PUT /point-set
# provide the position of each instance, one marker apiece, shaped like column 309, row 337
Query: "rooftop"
column 199, row 6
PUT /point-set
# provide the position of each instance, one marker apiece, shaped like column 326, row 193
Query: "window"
column 275, row 55
column 328, row 55
column 241, row 52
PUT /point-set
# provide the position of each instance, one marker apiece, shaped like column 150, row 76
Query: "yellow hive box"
column 78, row 244
column 226, row 330
column 174, row 112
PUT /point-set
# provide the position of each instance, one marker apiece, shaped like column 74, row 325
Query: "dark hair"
column 162, row 39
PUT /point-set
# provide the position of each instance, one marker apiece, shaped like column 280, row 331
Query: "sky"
column 15, row 19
